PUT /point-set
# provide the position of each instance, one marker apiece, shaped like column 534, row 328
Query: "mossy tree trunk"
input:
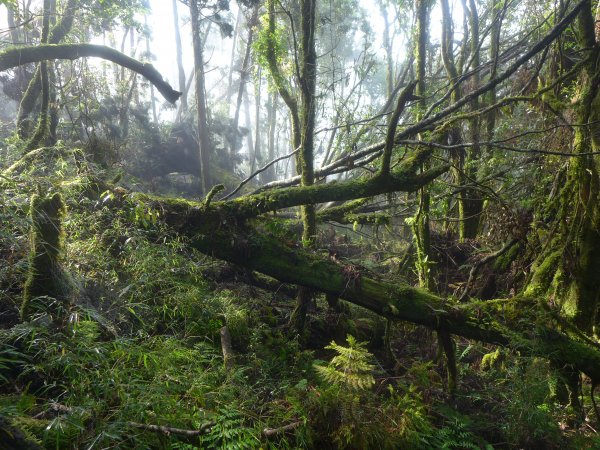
column 302, row 113
column 308, row 80
column 41, row 132
column 45, row 274
column 421, row 226
column 36, row 85
column 567, row 270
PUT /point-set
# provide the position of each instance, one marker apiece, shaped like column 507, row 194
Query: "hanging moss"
column 45, row 277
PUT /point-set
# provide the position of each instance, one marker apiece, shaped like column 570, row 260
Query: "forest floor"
column 135, row 359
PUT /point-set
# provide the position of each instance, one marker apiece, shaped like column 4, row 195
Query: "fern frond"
column 350, row 367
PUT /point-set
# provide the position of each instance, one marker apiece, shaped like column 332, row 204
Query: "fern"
column 229, row 432
column 350, row 367
column 454, row 436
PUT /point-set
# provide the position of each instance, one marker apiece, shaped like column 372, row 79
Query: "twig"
column 54, row 407
column 262, row 169
column 268, row 432
column 170, row 430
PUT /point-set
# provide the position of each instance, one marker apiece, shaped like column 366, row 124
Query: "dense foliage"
column 425, row 172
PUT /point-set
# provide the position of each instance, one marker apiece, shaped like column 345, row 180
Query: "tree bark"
column 201, row 115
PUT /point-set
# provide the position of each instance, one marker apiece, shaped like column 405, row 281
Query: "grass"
column 141, row 346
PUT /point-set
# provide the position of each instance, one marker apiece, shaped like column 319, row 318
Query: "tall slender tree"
column 203, row 136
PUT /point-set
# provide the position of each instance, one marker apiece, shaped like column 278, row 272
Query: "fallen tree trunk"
column 518, row 323
column 202, row 216
column 18, row 56
column 221, row 229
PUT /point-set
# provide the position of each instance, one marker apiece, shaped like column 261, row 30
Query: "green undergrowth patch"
column 140, row 349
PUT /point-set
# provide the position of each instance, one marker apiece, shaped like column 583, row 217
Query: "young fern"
column 350, row 367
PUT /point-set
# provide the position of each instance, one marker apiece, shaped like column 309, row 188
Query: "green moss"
column 503, row 261
column 543, row 274
column 492, row 360
column 45, row 276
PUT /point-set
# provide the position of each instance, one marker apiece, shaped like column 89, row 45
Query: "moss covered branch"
column 193, row 214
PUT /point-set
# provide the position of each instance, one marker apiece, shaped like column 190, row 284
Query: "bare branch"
column 171, row 430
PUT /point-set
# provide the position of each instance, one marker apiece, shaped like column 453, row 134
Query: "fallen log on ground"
column 519, row 323
column 223, row 230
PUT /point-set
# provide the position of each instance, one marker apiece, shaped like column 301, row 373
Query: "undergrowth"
column 141, row 349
